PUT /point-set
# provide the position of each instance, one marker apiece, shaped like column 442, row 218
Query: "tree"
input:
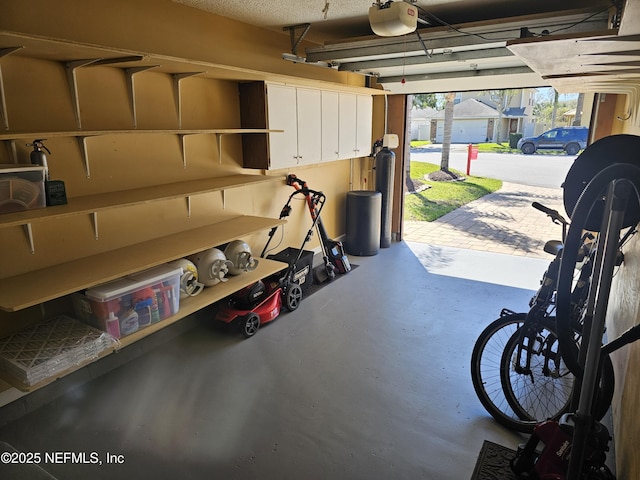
column 448, row 129
column 422, row 101
column 579, row 106
column 544, row 105
column 554, row 112
column 426, row 100
column 502, row 99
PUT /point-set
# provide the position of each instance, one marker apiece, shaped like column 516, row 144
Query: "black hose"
column 591, row 195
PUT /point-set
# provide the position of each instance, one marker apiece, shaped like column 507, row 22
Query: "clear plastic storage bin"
column 122, row 307
column 21, row 188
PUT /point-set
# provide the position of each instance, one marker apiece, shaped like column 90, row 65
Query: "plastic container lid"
column 122, row 286
column 11, row 168
column 156, row 274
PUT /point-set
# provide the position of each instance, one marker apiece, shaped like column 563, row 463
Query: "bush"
column 513, row 139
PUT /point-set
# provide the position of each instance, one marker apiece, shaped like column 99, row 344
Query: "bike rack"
column 620, row 181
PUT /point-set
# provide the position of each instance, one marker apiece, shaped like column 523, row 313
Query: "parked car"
column 569, row 139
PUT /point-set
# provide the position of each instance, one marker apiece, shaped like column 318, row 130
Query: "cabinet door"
column 330, row 130
column 363, row 125
column 309, row 110
column 347, row 125
column 281, row 106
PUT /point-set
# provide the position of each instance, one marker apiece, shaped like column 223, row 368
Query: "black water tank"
column 385, row 167
column 363, row 222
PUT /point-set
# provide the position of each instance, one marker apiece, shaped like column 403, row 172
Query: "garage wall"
column 623, row 313
column 38, row 99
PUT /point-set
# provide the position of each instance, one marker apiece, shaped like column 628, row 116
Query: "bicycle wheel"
column 486, row 366
column 542, row 389
column 545, row 390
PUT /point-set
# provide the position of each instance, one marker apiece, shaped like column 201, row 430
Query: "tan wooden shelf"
column 104, row 201
column 83, row 135
column 95, row 133
column 188, row 306
column 64, row 51
column 65, row 278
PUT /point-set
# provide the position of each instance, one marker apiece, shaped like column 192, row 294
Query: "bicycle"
column 610, row 203
column 517, row 368
column 602, row 190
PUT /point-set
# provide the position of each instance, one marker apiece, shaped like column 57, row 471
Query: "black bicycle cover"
column 601, row 154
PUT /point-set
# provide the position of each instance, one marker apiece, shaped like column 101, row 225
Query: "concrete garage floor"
column 368, row 379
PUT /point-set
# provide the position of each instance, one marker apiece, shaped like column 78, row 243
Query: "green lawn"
column 443, row 197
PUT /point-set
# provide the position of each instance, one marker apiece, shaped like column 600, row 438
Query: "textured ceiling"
column 459, row 44
column 348, row 18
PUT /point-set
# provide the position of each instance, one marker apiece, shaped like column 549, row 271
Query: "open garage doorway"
column 494, row 121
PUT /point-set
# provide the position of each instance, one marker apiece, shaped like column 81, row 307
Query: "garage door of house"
column 465, row 131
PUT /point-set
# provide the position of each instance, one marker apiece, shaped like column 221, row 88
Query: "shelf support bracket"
column 224, row 199
column 130, row 73
column 188, row 198
column 219, row 142
column 12, row 150
column 3, row 99
column 94, row 222
column 183, row 150
column 29, row 234
column 82, row 142
column 71, row 68
column 177, row 78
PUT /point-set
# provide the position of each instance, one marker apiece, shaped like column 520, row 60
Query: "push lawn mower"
column 262, row 301
column 259, row 303
column 333, row 255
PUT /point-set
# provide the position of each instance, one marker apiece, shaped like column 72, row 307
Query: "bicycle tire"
column 589, row 201
column 547, row 396
column 537, row 396
column 486, row 365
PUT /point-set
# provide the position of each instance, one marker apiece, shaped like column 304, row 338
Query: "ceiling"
column 459, row 44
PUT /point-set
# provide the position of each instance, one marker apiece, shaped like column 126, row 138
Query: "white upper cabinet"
column 355, row 112
column 347, row 124
column 281, row 115
column 330, row 128
column 312, row 125
column 364, row 112
column 309, row 109
column 298, row 112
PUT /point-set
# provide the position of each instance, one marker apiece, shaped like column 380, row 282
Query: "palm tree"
column 448, row 128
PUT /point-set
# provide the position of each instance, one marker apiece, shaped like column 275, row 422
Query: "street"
column 539, row 170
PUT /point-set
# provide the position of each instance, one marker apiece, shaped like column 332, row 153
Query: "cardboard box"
column 303, row 273
column 122, row 307
column 21, row 187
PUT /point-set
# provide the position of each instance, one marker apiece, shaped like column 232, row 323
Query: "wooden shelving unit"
column 104, row 201
column 37, row 287
column 83, row 135
column 188, row 306
column 66, row 278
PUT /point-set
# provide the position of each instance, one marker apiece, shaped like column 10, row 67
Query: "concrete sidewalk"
column 500, row 222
